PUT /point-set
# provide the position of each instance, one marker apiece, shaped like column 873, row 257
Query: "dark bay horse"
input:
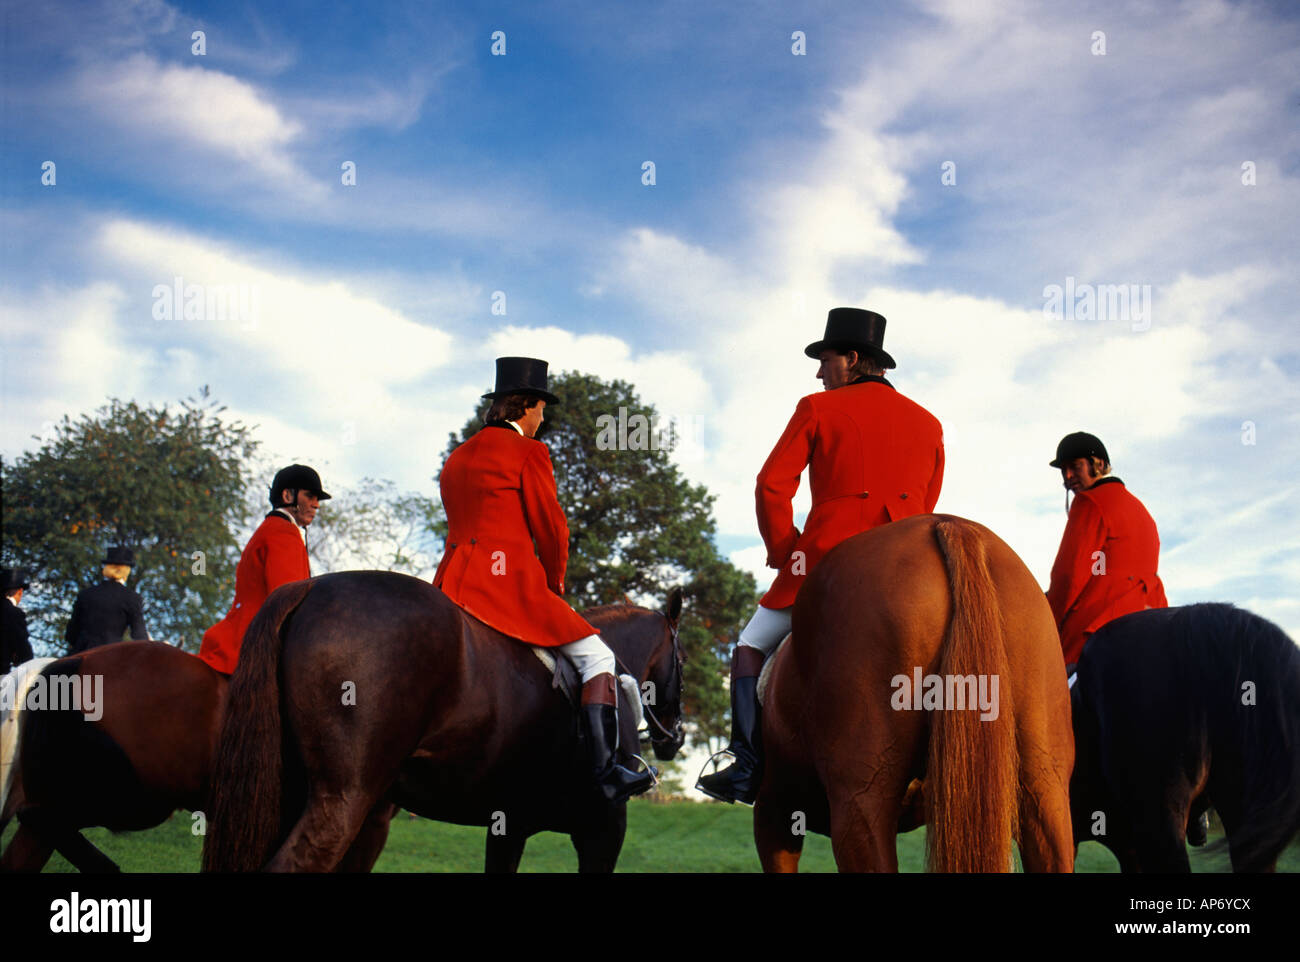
column 846, row 729
column 1178, row 709
column 147, row 753
column 360, row 691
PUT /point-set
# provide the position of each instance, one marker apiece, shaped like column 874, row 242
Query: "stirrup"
column 654, row 772
column 713, row 760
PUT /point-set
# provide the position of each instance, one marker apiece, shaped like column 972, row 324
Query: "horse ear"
column 674, row 610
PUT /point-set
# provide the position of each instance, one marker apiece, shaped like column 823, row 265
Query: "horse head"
column 647, row 647
column 664, row 716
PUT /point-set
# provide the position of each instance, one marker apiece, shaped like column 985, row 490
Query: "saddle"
column 565, row 677
column 766, row 674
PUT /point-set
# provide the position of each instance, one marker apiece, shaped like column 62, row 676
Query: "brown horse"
column 147, row 754
column 847, row 729
column 359, row 691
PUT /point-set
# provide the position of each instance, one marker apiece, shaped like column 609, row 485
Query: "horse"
column 147, row 754
column 921, row 650
column 1178, row 709
column 360, row 691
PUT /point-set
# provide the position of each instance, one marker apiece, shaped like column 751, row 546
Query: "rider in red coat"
column 498, row 490
column 873, row 456
column 274, row 556
column 1106, row 565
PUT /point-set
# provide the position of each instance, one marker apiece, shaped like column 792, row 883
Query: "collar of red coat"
column 1101, row 481
column 873, row 377
column 509, row 427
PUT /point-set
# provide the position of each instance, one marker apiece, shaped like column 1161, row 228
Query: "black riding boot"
column 614, row 781
column 739, row 781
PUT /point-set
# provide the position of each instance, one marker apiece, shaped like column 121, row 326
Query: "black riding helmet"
column 299, row 477
column 1080, row 444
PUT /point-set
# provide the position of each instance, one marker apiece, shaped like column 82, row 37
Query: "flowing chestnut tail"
column 972, row 776
column 245, row 799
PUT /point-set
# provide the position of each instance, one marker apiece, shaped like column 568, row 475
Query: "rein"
column 677, row 667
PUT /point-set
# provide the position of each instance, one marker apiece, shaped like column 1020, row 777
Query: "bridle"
column 677, row 676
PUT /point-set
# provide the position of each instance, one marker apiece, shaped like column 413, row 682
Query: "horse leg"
column 321, row 838
column 778, row 835
column 370, row 841
column 502, row 852
column 47, row 829
column 599, row 839
column 27, row 852
column 1046, row 837
column 1234, row 820
column 864, row 824
column 1159, row 835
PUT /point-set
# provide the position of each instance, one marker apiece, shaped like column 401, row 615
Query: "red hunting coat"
column 498, row 489
column 1104, row 518
column 873, row 457
column 274, row 556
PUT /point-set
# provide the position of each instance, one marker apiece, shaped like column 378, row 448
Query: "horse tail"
column 245, row 790
column 972, row 776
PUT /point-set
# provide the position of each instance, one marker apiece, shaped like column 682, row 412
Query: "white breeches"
column 766, row 629
column 590, row 656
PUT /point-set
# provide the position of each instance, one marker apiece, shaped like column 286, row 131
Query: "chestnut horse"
column 1178, row 709
column 147, row 753
column 943, row 601
column 359, row 691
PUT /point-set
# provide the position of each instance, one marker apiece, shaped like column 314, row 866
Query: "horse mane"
column 611, row 611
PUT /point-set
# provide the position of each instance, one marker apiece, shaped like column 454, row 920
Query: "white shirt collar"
column 517, row 428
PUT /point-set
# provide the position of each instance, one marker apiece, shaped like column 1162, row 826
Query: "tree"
column 168, row 482
column 374, row 526
column 637, row 527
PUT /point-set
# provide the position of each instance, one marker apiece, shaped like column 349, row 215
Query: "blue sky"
column 785, row 185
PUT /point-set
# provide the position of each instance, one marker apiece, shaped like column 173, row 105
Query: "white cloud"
column 200, row 107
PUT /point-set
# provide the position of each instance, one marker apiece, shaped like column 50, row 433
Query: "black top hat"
column 119, row 555
column 11, row 579
column 522, row 375
column 1080, row 444
column 853, row 329
column 297, row 476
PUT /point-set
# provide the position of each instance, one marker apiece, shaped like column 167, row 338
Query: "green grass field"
column 662, row 837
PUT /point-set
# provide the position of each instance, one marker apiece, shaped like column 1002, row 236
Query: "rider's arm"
column 545, row 517
column 1085, row 534
column 936, row 479
column 74, row 626
column 136, row 613
column 779, row 480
